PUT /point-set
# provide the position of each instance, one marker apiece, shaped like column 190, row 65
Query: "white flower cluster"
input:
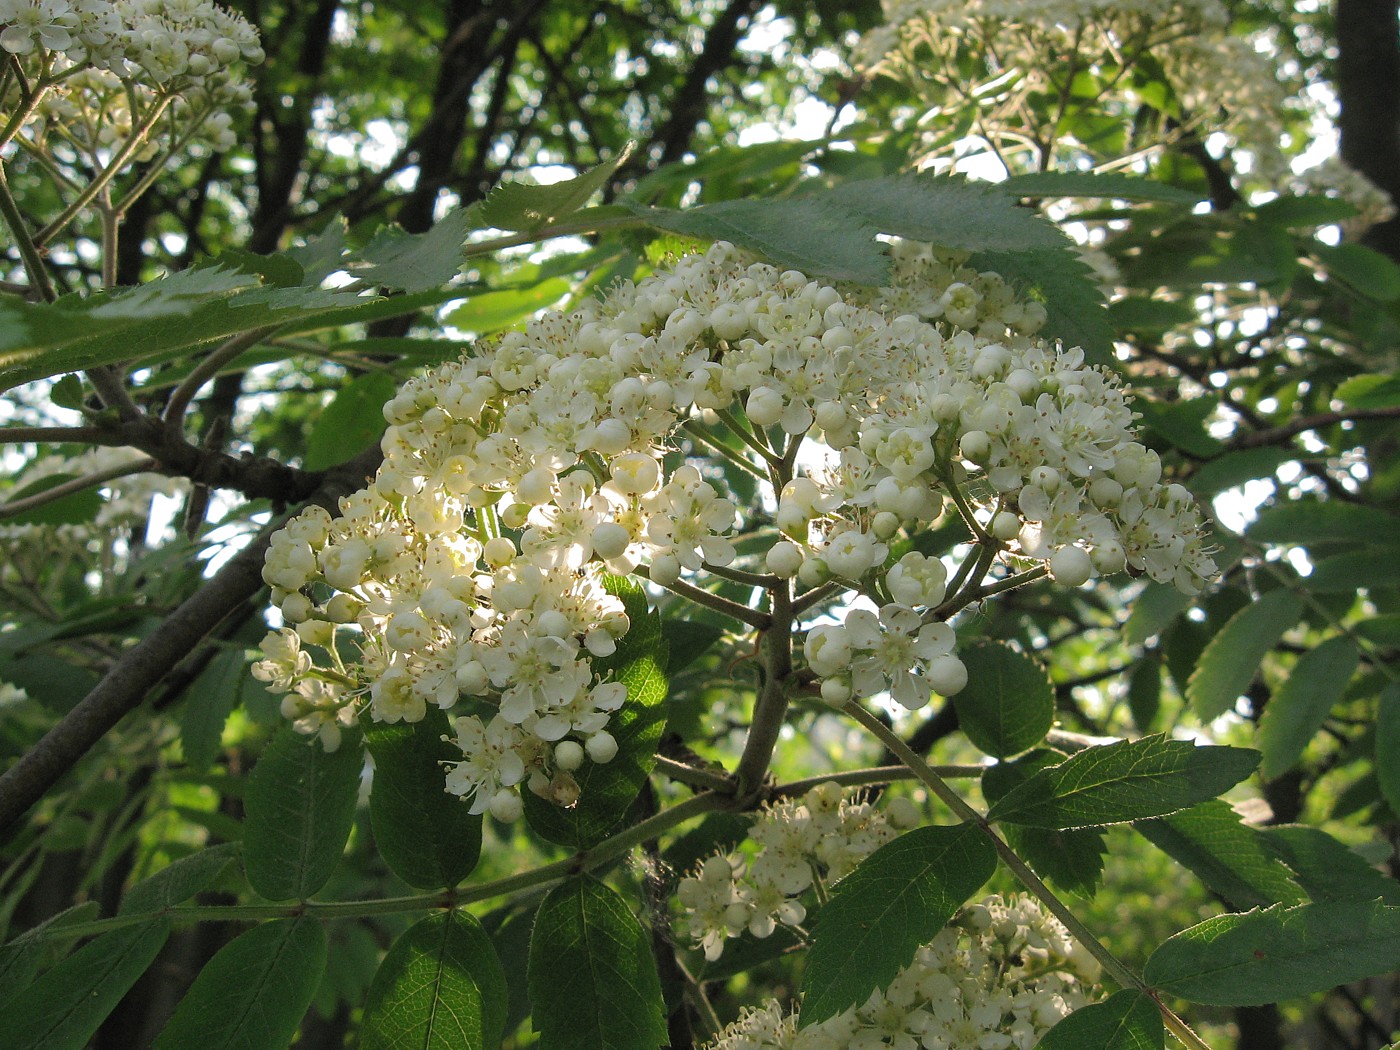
column 471, row 567
column 95, row 57
column 824, row 835
column 998, row 977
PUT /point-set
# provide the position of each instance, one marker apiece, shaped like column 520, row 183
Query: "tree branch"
column 1278, row 435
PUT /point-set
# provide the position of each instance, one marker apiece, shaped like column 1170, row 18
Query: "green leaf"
column 301, row 804
column 1382, row 630
column 417, row 262
column 1145, row 692
column 441, row 987
column 593, row 979
column 492, row 311
column 1138, row 313
column 178, row 881
column 254, row 992
column 1305, row 522
column 20, row 958
column 1276, row 954
column 72, row 509
column 1008, row 704
column 1235, row 468
column 1233, row 860
column 1388, row 746
column 1363, row 270
column 1071, row 858
column 352, row 422
column 1153, row 612
column 1304, row 212
column 1326, row 869
column 897, row 899
column 1065, row 286
column 1232, row 657
column 1124, row 781
column 66, row 1005
column 949, row 210
column 1126, row 1020
column 38, row 340
column 523, row 206
column 1109, row 185
column 67, row 393
column 209, row 701
column 1182, row 423
column 1346, row 573
column 687, row 641
column 607, row 790
column 817, row 235
column 429, row 838
column 1298, row 708
column 1369, row 391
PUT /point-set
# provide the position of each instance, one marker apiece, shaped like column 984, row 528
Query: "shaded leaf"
column 1304, row 211
column 1126, row 1020
column 1320, row 521
column 301, row 804
column 1235, row 468
column 1326, row 868
column 72, row 509
column 1232, row 859
column 1369, row 391
column 429, row 838
column 897, row 899
column 352, row 421
column 441, row 987
column 593, row 979
column 1182, row 424
column 254, row 992
column 1388, row 746
column 1231, row 658
column 1278, row 953
column 178, row 881
column 1153, row 611
column 1362, row 269
column 1071, row 858
column 1300, row 705
column 209, row 701
column 20, row 958
column 64, row 1007
column 1353, row 571
column 1008, row 704
column 1124, row 781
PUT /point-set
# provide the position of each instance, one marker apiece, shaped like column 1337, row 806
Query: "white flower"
column 892, row 651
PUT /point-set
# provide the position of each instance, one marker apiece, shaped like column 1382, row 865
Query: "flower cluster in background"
column 470, row 569
column 998, row 977
column 820, row 837
column 1018, row 49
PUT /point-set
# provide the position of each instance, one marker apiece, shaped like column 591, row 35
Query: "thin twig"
column 207, row 369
